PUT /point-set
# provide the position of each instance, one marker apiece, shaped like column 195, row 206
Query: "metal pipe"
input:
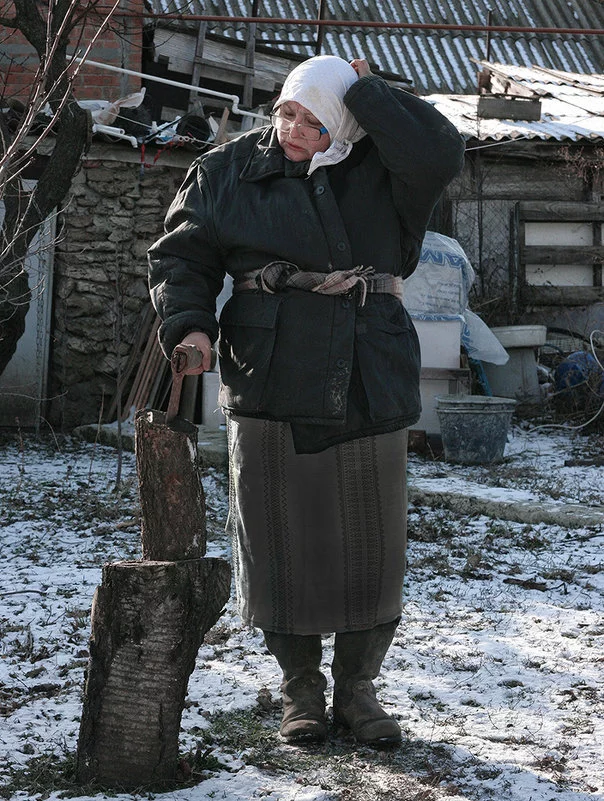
column 347, row 23
column 321, row 30
column 233, row 98
column 119, row 133
column 489, row 21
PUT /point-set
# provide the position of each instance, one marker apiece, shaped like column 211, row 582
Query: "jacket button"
column 319, row 190
column 341, row 363
column 341, row 246
column 345, row 304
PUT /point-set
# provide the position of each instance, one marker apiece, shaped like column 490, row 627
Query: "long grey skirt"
column 319, row 540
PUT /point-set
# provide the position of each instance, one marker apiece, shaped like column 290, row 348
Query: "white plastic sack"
column 439, row 290
column 439, row 287
column 105, row 112
column 480, row 342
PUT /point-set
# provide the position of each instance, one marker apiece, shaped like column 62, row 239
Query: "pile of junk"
column 541, row 368
column 129, row 119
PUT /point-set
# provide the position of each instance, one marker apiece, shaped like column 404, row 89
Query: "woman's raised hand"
column 360, row 66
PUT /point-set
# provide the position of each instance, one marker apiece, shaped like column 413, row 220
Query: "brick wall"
column 120, row 45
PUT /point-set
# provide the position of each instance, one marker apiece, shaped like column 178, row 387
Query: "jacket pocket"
column 286, row 357
column 389, row 359
column 312, row 362
column 248, row 326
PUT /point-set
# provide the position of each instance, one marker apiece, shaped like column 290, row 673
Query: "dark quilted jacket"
column 334, row 369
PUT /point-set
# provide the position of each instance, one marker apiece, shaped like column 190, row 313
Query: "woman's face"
column 296, row 146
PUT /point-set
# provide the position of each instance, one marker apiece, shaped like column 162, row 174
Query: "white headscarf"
column 319, row 85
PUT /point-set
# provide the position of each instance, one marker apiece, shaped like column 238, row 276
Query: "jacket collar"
column 267, row 159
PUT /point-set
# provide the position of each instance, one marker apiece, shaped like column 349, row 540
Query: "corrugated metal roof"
column 434, row 61
column 572, row 107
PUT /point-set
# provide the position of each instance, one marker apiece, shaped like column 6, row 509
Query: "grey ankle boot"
column 303, row 686
column 358, row 657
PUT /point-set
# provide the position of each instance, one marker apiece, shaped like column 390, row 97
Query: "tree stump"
column 149, row 618
column 148, row 621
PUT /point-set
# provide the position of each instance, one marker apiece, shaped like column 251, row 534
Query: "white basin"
column 521, row 336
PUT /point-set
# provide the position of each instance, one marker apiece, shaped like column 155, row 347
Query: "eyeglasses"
column 310, row 132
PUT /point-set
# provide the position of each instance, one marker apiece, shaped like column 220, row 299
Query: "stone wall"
column 115, row 212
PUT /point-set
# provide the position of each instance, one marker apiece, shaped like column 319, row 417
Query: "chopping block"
column 149, row 616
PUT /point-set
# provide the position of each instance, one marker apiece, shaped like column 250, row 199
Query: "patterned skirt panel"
column 319, row 540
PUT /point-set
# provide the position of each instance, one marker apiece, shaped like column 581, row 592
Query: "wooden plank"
column 507, row 108
column 149, row 317
column 248, row 86
column 517, row 272
column 598, row 239
column 572, row 254
column 201, row 35
column 556, row 211
column 503, row 84
column 447, row 373
column 269, row 69
column 221, row 132
column 232, row 67
column 156, row 362
column 220, row 61
column 142, row 368
column 561, row 295
column 512, row 177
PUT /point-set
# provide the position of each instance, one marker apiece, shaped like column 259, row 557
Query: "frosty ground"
column 496, row 674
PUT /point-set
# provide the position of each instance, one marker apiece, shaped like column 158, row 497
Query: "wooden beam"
column 561, row 295
column 445, row 373
column 321, row 30
column 508, row 108
column 250, row 52
column 221, row 133
column 194, row 98
column 555, row 210
column 240, row 69
column 598, row 239
column 558, row 254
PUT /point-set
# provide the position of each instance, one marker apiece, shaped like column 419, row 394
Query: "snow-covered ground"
column 496, row 673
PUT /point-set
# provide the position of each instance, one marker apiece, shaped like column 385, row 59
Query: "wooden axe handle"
column 185, row 357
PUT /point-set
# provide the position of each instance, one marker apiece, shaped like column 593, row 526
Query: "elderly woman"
column 318, row 218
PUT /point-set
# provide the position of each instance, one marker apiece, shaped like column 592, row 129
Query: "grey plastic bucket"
column 474, row 428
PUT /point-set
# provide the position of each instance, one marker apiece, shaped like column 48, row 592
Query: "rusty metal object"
column 184, row 357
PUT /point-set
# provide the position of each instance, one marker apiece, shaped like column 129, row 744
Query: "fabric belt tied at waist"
column 279, row 275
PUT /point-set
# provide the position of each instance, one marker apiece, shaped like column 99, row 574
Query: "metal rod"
column 321, row 30
column 347, row 23
column 489, row 21
column 233, row 98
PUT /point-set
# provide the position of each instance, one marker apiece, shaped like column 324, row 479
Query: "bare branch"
column 48, row 29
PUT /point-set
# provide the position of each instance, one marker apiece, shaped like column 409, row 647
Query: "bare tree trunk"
column 148, row 621
column 25, row 213
column 71, row 130
column 15, row 297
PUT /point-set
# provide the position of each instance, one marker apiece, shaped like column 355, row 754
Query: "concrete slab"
column 212, row 445
column 557, row 514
